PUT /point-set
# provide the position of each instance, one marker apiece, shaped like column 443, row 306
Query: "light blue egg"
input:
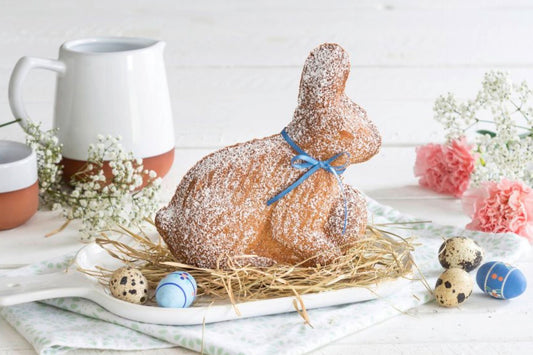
column 176, row 290
column 501, row 280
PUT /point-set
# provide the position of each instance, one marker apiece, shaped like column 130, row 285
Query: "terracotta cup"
column 19, row 188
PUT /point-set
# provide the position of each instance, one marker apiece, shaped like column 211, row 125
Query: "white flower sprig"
column 506, row 148
column 98, row 202
column 48, row 150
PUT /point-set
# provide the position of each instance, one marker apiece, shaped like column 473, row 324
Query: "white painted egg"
column 460, row 252
column 129, row 284
column 453, row 287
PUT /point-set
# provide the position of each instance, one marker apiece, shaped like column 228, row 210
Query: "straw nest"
column 378, row 256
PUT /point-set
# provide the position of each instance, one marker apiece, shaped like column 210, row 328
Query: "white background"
column 233, row 69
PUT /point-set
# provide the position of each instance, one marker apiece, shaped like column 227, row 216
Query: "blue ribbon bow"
column 305, row 161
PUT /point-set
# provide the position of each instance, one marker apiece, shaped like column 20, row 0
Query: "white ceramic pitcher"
column 109, row 85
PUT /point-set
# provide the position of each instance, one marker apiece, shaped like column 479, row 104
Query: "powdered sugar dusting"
column 219, row 208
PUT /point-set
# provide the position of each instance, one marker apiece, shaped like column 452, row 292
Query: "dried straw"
column 378, row 256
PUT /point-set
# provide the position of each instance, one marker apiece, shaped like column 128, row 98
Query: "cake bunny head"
column 279, row 199
column 326, row 121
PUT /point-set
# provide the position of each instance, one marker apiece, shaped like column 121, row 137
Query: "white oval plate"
column 76, row 284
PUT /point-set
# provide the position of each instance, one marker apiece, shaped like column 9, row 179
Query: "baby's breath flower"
column 506, row 150
column 98, row 203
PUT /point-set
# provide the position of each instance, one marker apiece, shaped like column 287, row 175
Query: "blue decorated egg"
column 501, row 280
column 176, row 290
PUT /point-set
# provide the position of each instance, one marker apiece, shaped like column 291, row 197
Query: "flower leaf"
column 486, row 132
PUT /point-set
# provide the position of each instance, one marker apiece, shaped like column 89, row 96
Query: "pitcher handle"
column 22, row 68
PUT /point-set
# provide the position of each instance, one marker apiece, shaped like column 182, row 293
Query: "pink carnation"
column 445, row 168
column 501, row 207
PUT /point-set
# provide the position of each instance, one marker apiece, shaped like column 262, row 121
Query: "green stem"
column 519, row 109
column 514, row 125
column 477, row 120
column 471, row 125
column 10, row 122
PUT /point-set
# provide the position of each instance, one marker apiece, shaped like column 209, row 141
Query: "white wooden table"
column 233, row 69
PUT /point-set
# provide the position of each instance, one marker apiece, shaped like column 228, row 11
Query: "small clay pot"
column 19, row 188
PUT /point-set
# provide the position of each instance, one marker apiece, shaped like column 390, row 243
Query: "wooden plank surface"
column 386, row 33
column 230, row 63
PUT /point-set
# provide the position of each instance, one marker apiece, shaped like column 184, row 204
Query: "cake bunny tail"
column 324, row 75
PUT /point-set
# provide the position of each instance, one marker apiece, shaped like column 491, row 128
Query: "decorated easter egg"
column 460, row 252
column 453, row 287
column 501, row 280
column 129, row 284
column 176, row 290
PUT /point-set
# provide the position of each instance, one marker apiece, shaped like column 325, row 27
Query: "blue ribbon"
column 305, row 161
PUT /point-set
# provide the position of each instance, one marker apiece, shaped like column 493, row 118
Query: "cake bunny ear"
column 324, row 75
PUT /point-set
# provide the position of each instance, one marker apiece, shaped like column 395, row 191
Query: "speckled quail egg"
column 129, row 284
column 453, row 287
column 460, row 252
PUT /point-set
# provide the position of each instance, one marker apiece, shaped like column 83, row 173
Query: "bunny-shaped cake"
column 220, row 208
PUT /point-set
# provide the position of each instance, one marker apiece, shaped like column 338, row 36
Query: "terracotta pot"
column 16, row 207
column 19, row 188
